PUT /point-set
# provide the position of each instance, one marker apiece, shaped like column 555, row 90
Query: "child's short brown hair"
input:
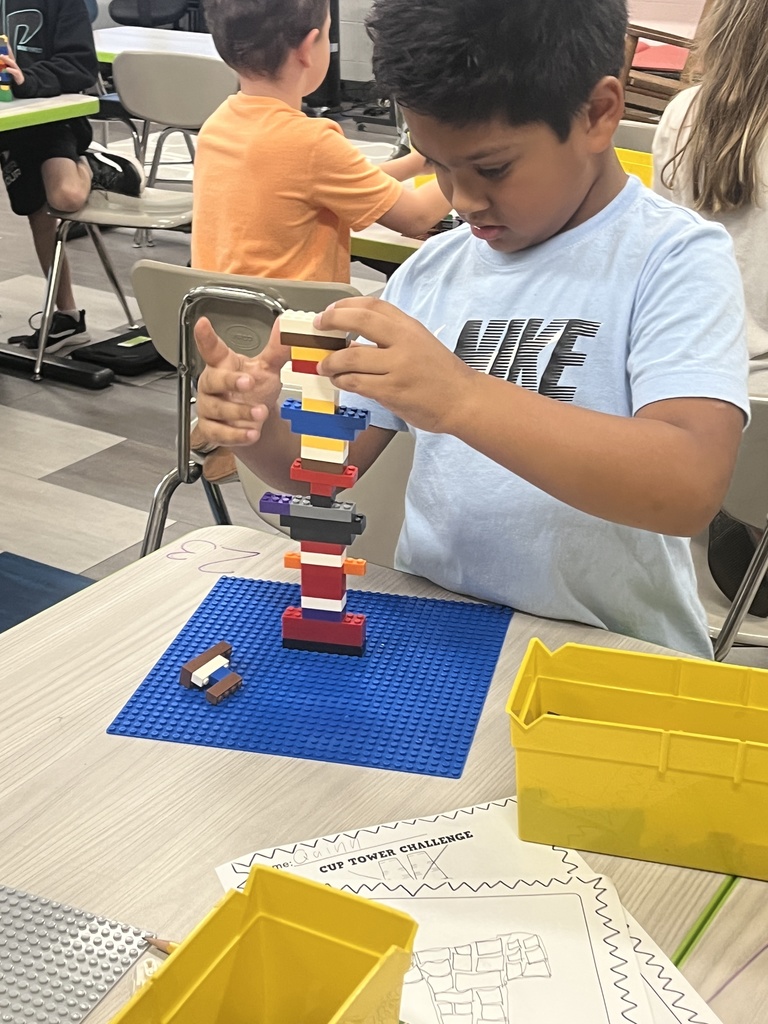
column 255, row 36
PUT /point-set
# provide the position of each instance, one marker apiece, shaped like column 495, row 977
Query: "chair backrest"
column 160, row 288
column 178, row 90
column 747, row 497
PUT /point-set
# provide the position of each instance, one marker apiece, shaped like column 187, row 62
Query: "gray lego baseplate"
column 57, row 962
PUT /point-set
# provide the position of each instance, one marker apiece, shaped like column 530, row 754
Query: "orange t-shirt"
column 276, row 193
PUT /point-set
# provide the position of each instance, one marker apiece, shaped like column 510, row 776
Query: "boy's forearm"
column 405, row 167
column 641, row 472
column 271, row 456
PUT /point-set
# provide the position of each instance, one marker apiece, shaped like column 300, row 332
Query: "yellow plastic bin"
column 284, row 951
column 635, row 162
column 645, row 756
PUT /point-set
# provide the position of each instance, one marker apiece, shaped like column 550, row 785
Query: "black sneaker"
column 113, row 172
column 65, row 330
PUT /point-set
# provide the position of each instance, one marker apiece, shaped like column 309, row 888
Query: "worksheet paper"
column 499, row 920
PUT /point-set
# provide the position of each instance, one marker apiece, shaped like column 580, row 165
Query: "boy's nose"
column 468, row 203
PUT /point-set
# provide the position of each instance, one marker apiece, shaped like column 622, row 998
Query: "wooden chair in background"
column 648, row 92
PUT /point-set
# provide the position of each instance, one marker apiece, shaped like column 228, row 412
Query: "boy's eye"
column 494, row 172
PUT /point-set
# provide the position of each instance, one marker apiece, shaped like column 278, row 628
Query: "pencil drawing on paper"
column 469, row 984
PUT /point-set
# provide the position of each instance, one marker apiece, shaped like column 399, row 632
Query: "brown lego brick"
column 215, row 694
column 316, row 466
column 221, row 648
column 311, row 341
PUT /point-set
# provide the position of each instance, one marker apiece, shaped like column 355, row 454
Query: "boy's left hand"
column 409, row 371
column 8, row 63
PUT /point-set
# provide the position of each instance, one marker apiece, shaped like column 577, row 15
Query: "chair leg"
column 109, row 270
column 158, row 509
column 742, row 602
column 52, row 286
column 216, row 503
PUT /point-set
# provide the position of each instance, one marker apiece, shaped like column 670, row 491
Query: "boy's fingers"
column 234, row 384
column 231, row 437
column 212, row 348
column 372, row 318
column 236, row 414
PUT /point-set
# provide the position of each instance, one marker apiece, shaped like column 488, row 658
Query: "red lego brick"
column 317, row 547
column 303, row 366
column 323, row 581
column 324, row 481
column 350, row 632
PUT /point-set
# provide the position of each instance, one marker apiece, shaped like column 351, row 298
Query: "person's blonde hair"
column 729, row 116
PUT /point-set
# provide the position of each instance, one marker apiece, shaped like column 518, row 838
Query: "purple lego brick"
column 278, row 504
column 411, row 703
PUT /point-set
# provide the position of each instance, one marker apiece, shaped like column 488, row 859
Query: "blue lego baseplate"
column 411, row 704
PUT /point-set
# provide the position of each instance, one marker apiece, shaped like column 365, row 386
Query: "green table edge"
column 703, row 921
column 388, row 252
column 105, row 56
column 28, row 118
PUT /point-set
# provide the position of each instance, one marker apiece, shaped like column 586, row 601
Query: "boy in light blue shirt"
column 571, row 362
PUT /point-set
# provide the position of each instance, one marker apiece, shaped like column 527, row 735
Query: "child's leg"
column 44, row 236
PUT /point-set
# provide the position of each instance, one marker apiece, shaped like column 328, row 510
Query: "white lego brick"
column 204, row 673
column 315, row 558
column 324, row 604
column 311, row 385
column 296, row 321
column 308, row 451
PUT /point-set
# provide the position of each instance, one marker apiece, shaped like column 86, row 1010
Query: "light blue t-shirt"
column 643, row 302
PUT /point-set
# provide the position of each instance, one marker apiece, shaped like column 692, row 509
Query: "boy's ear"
column 604, row 110
column 304, row 49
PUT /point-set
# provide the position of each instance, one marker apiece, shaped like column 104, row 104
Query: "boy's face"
column 517, row 185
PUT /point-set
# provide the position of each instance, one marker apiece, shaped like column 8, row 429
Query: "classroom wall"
column 683, row 14
column 354, row 44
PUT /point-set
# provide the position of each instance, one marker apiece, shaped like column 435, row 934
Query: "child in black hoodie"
column 52, row 52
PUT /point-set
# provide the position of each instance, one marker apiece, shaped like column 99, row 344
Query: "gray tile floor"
column 78, row 467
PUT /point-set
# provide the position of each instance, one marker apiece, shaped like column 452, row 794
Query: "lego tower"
column 323, row 526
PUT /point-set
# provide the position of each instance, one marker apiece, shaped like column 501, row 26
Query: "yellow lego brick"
column 307, row 355
column 324, row 455
column 316, row 405
column 354, row 566
column 292, row 560
column 330, row 444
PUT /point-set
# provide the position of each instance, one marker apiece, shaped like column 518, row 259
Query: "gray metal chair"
column 747, row 500
column 178, row 91
column 242, row 311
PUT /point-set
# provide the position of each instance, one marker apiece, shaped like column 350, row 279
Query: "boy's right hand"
column 235, row 394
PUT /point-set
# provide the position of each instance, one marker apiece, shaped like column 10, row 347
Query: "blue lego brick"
column 323, row 616
column 219, row 674
column 341, row 425
column 411, row 703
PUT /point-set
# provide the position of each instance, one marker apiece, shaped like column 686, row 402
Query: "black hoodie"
column 52, row 42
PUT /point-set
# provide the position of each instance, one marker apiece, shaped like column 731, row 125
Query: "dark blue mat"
column 410, row 704
column 28, row 587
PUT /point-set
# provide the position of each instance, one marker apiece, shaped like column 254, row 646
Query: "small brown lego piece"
column 312, row 341
column 215, row 694
column 222, row 648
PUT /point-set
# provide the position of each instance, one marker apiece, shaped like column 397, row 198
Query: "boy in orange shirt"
column 277, row 193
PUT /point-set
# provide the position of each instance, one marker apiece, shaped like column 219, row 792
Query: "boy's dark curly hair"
column 523, row 61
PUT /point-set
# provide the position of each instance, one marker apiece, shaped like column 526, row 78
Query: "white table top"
column 729, row 966
column 133, row 829
column 111, row 41
column 44, row 109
